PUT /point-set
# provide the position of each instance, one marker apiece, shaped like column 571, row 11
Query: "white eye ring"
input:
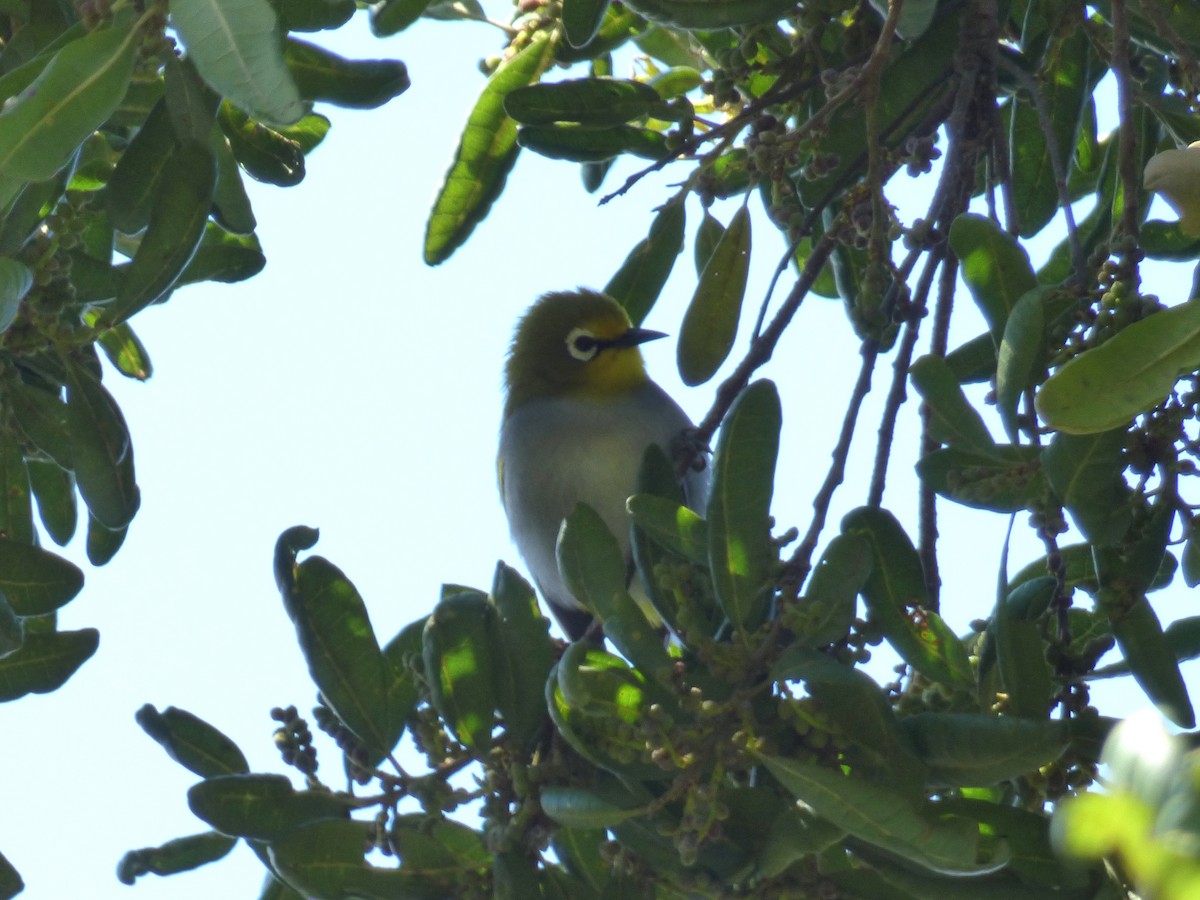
column 582, row 344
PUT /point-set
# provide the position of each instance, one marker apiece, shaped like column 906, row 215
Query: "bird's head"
column 575, row 343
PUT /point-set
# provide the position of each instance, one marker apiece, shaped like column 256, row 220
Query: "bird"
column 579, row 413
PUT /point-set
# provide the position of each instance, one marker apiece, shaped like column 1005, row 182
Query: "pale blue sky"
column 351, row 388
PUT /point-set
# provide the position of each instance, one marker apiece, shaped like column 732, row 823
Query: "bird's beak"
column 635, row 336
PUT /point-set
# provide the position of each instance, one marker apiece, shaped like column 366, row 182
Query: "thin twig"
column 871, row 69
column 927, row 531
column 798, row 566
column 761, row 349
column 726, row 132
column 898, row 392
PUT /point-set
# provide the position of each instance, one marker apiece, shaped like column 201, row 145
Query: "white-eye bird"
column 579, row 413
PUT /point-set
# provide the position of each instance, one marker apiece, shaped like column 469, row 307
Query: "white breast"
column 556, row 453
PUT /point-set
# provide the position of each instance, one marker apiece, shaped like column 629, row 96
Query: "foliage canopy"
column 752, row 757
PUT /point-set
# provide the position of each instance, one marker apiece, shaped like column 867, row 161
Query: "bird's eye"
column 582, row 345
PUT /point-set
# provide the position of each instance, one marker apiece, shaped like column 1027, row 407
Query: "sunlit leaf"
column 1106, row 386
column 235, row 45
column 486, row 153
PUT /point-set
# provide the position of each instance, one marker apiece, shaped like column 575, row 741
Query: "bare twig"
column 800, row 564
column 898, row 392
column 761, row 349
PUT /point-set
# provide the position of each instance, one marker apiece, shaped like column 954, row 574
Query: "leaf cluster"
column 750, row 755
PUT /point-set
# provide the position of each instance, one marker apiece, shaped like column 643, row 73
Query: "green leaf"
column 193, row 743
column 42, row 416
column 313, row 15
column 54, row 488
column 1189, row 562
column 524, row 641
column 995, row 267
column 223, row 257
column 593, row 698
column 1005, row 479
column 881, row 816
column 45, row 662
column 308, row 133
column 135, row 181
column 574, row 807
column 974, row 361
column 402, row 657
column 12, row 629
column 192, row 106
column 180, row 855
column 1105, row 387
column 708, row 235
column 672, row 525
column 581, row 20
column 125, row 351
column 585, row 144
column 24, row 207
column 325, row 861
column 34, row 581
column 599, row 683
column 181, row 208
column 1081, row 570
column 1183, row 637
column 73, row 96
column 914, row 18
column 740, row 549
column 15, row 282
column 461, row 666
column 860, row 711
column 708, row 15
column 640, row 280
column 831, row 595
column 102, row 542
column 975, row 750
column 599, row 102
column 1166, row 240
column 515, row 874
column 618, row 25
column 1021, row 358
column 909, row 85
column 486, row 153
column 594, row 569
column 1065, row 86
column 94, row 281
column 16, row 507
column 669, row 537
column 1140, row 637
column 1021, row 647
column 231, row 204
column 262, row 807
column 433, row 846
column 103, row 454
column 10, row 880
column 898, row 601
column 235, row 46
column 954, row 420
column 1087, row 473
column 393, row 16
column 339, row 645
column 710, row 324
column 264, row 152
column 356, row 84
